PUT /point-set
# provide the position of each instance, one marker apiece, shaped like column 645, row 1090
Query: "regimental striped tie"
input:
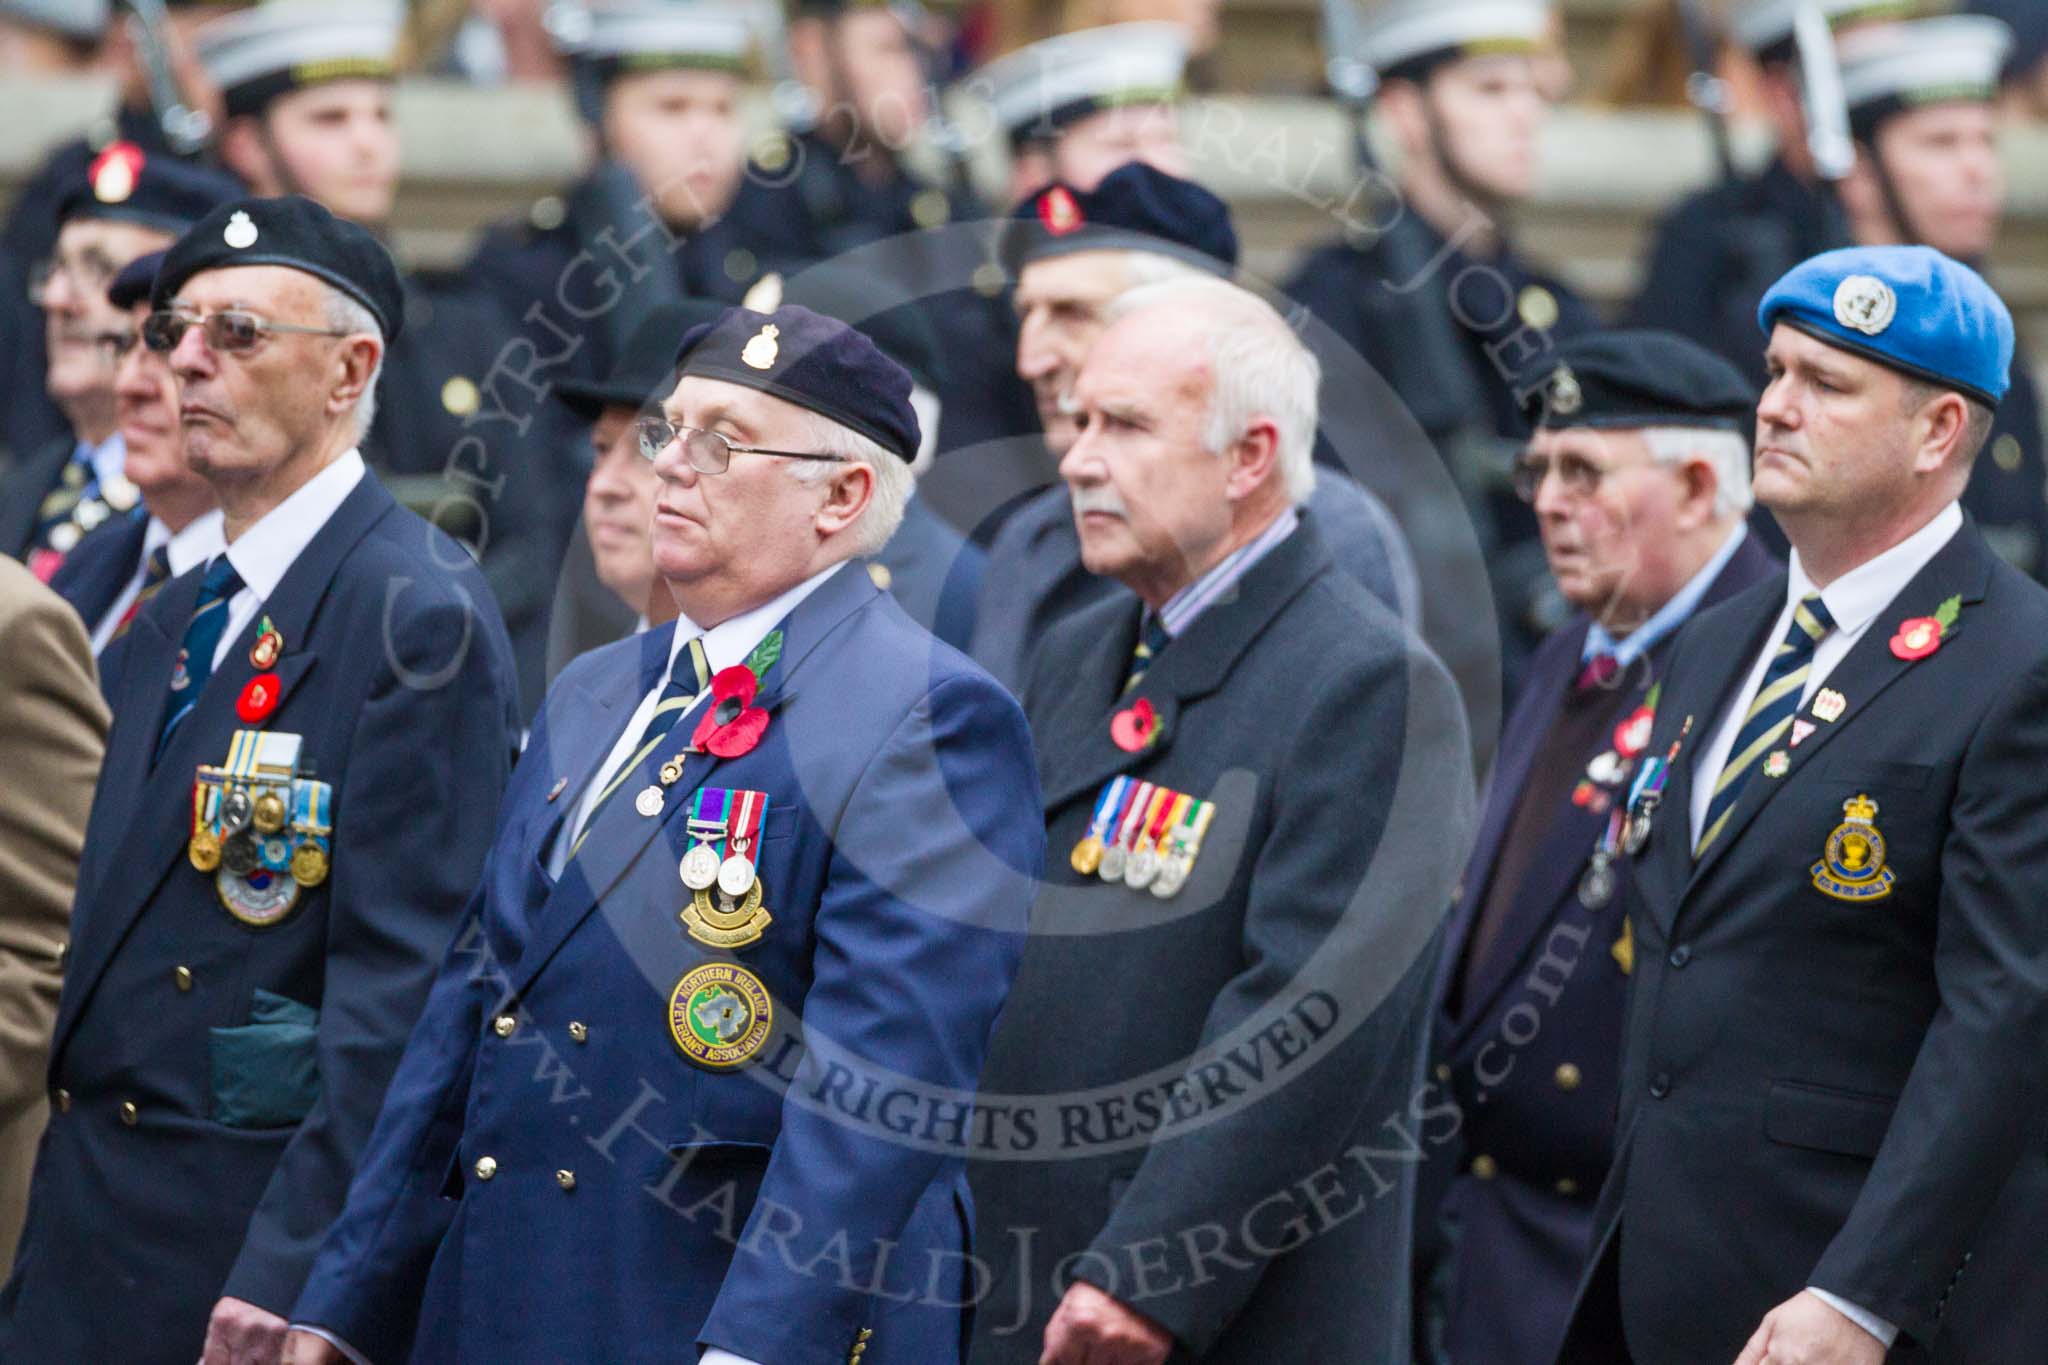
column 687, row 681
column 1153, row 639
column 202, row 639
column 1770, row 715
column 58, row 505
column 154, row 576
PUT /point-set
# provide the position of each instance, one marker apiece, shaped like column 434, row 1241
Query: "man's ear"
column 1940, row 428
column 847, row 494
column 1252, row 458
column 355, row 362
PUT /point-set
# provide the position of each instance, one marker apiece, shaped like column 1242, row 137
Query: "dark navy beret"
column 1909, row 307
column 1135, row 208
column 813, row 361
column 131, row 285
column 290, row 231
column 125, row 184
column 646, row 367
column 1628, row 379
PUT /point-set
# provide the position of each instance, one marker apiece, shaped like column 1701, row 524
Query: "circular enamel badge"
column 1865, row 303
column 720, row 1015
column 260, row 899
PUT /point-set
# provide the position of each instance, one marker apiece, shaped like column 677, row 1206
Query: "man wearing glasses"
column 758, row 893
column 310, row 738
column 128, row 204
column 1638, row 473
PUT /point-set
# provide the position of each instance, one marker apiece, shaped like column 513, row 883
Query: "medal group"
column 1145, row 835
column 260, row 829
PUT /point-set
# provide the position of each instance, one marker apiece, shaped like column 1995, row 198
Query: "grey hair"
column 1258, row 368
column 893, row 479
column 1726, row 451
column 1151, row 267
column 345, row 314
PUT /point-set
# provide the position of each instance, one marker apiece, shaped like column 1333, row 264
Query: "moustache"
column 1098, row 499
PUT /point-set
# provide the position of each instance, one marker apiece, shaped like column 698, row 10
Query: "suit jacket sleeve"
column 427, row 764
column 53, row 727
column 934, row 866
column 1346, row 894
column 1977, row 1087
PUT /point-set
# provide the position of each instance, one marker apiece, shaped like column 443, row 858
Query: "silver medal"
column 1173, row 874
column 736, row 876
column 648, row 802
column 236, row 810
column 1636, row 832
column 1113, row 860
column 700, row 867
column 1141, row 869
column 1596, row 888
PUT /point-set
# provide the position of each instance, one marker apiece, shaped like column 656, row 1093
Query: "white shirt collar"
column 263, row 553
column 108, row 458
column 730, row 641
column 1855, row 599
column 200, row 541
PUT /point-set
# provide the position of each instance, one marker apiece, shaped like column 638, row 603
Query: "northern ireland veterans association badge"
column 1852, row 866
column 720, row 1015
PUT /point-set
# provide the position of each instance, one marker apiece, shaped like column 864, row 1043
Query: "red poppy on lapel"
column 258, row 699
column 1134, row 727
column 1921, row 636
column 732, row 725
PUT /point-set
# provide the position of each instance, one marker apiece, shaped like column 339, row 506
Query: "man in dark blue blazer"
column 1259, row 787
column 1832, row 1076
column 1639, row 477
column 699, row 1073
column 311, row 736
column 127, row 560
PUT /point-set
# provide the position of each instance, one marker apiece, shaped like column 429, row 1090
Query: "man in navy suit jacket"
column 233, row 1008
column 1639, row 477
column 700, row 1068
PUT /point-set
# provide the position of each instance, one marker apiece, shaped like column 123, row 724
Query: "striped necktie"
column 686, row 682
column 1770, row 715
column 202, row 641
column 154, row 576
column 1153, row 639
column 60, row 502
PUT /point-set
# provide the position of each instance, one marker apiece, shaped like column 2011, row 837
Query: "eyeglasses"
column 228, row 332
column 1580, row 476
column 707, row 451
column 88, row 275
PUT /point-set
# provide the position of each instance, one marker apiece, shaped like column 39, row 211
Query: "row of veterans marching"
column 796, row 994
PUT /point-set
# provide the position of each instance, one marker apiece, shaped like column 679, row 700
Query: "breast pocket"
column 1824, row 1119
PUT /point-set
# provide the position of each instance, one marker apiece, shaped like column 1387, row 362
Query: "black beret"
column 290, row 231
column 125, row 184
column 1635, row 379
column 812, row 361
column 131, row 285
column 1135, row 208
column 645, row 369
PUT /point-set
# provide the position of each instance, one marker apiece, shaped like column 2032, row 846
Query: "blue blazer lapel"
column 94, row 573
column 619, row 834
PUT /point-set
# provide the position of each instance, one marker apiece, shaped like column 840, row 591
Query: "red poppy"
column 258, row 699
column 1917, row 638
column 1632, row 736
column 1135, row 727
column 1058, row 211
column 732, row 725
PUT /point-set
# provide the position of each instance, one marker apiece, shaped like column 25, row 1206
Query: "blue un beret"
column 815, row 362
column 1135, row 208
column 126, row 184
column 1909, row 307
column 295, row 232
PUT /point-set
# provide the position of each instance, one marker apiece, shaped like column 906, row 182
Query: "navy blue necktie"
column 202, row 639
column 1770, row 715
column 1150, row 642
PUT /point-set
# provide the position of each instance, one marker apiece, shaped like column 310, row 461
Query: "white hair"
column 1726, row 451
column 1258, row 367
column 1151, row 267
column 345, row 314
column 893, row 480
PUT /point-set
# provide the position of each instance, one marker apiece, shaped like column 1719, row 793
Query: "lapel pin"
column 1829, row 705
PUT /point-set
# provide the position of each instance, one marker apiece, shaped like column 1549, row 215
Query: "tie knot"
column 691, row 672
column 159, row 564
column 1811, row 616
column 221, row 581
column 1598, row 672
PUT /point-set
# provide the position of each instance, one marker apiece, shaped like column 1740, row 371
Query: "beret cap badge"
column 760, row 352
column 1866, row 304
column 1566, row 397
column 240, row 232
column 115, row 172
column 1058, row 211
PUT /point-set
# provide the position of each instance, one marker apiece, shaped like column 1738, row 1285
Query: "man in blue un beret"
column 762, row 1072
column 1832, row 1063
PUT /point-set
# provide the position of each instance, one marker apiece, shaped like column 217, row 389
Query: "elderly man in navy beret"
column 1832, row 1058
column 699, row 1075
column 310, row 735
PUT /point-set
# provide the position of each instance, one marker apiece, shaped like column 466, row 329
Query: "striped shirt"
column 1197, row 597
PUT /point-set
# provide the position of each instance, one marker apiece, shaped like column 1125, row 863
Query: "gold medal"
column 204, row 850
column 309, row 864
column 724, row 921
column 720, row 1015
column 268, row 813
column 1087, row 856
